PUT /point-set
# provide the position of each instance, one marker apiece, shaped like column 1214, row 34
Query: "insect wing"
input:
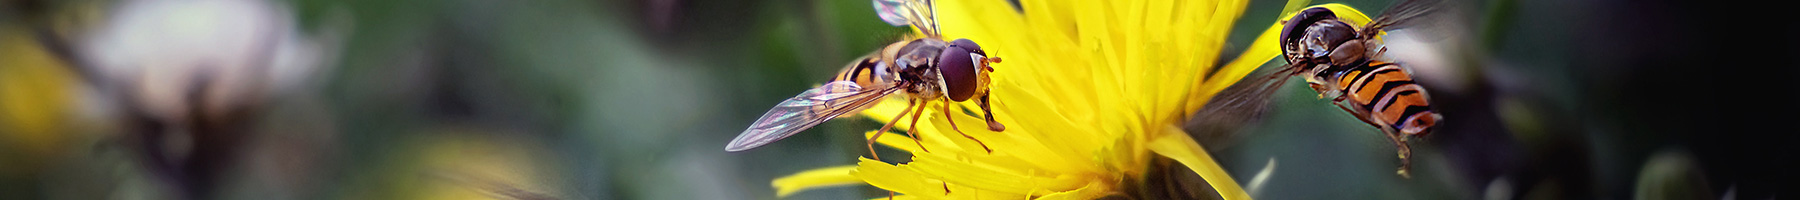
column 493, row 188
column 1408, row 13
column 807, row 110
column 894, row 12
column 918, row 13
column 1218, row 123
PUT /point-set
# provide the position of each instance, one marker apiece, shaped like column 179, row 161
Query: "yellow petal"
column 943, row 129
column 941, row 144
column 886, row 109
column 1294, row 6
column 984, row 21
column 1265, row 47
column 926, row 130
column 1020, row 140
column 1091, row 191
column 1226, row 12
column 1175, row 144
column 958, row 192
column 1344, row 12
column 37, row 95
column 1035, row 117
column 965, row 192
column 896, row 178
column 897, row 197
column 816, row 178
column 987, row 177
column 896, row 140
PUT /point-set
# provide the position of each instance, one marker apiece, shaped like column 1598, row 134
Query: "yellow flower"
column 458, row 163
column 37, row 103
column 1090, row 91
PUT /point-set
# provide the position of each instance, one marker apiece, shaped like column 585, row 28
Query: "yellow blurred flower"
column 457, row 163
column 38, row 96
column 1090, row 91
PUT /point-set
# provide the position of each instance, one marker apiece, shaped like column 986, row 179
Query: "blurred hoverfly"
column 1342, row 62
column 923, row 69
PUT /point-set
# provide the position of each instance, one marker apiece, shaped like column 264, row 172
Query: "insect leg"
column 952, row 121
column 1401, row 148
column 1381, row 53
column 946, row 188
column 989, row 113
column 915, row 125
column 890, row 125
column 1349, row 107
column 1405, row 159
column 1399, row 140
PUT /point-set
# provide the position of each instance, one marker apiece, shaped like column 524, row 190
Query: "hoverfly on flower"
column 924, row 69
column 1343, row 62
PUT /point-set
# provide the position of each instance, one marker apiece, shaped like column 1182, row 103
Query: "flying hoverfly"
column 922, row 69
column 1342, row 62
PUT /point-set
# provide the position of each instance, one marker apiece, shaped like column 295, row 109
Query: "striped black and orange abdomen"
column 866, row 72
column 1388, row 94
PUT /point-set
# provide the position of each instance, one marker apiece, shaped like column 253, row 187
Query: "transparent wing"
column 807, row 110
column 1406, row 13
column 1423, row 34
column 1218, row 123
column 492, row 187
column 918, row 13
column 894, row 12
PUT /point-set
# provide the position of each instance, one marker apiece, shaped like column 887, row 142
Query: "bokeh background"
column 630, row 99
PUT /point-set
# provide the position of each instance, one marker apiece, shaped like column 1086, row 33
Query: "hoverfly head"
column 964, row 67
column 1312, row 34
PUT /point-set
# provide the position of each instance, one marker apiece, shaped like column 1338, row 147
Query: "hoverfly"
column 1342, row 62
column 923, row 69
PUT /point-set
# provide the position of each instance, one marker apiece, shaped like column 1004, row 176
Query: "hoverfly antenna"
column 994, row 59
column 991, row 59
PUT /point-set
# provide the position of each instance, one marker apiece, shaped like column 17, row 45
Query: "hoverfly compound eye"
column 957, row 68
column 1298, row 24
column 975, row 50
column 968, row 45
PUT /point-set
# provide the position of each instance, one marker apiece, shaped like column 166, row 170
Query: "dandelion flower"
column 1090, row 92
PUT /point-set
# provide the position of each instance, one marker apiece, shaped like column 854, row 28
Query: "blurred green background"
column 625, row 99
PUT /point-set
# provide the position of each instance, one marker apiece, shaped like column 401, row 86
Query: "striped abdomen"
column 1389, row 95
column 869, row 74
column 866, row 71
